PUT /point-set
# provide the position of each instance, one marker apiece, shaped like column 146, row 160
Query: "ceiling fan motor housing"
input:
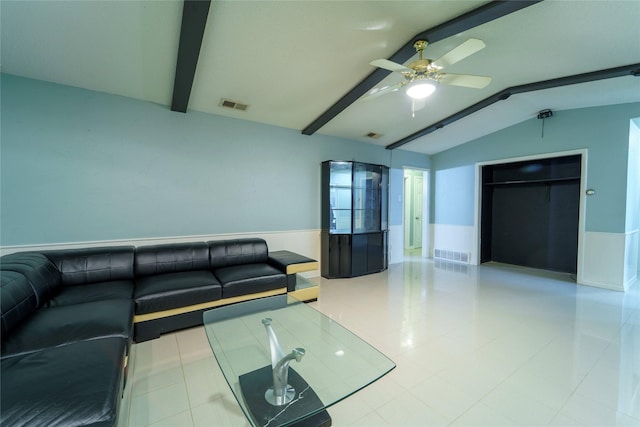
column 421, row 67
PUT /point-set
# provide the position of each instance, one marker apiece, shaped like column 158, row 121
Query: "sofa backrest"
column 91, row 265
column 17, row 300
column 171, row 258
column 41, row 274
column 226, row 253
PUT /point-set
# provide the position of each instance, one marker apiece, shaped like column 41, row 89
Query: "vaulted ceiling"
column 304, row 64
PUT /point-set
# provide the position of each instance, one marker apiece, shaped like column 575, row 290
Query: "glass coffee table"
column 286, row 362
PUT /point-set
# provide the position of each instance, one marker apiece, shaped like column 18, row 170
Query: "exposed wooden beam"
column 627, row 70
column 194, row 20
column 474, row 18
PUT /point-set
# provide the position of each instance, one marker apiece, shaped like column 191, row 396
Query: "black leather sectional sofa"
column 69, row 317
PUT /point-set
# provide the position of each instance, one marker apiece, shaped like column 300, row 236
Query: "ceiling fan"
column 422, row 75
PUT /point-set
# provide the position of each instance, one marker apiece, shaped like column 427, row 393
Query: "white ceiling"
column 291, row 60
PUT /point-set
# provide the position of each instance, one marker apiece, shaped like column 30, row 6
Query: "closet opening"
column 530, row 213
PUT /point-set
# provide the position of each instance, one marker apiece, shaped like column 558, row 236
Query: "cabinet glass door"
column 366, row 193
column 340, row 197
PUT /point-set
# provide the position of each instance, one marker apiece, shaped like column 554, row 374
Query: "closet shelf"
column 534, row 181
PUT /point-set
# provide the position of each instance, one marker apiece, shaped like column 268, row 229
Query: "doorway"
column 416, row 212
column 530, row 213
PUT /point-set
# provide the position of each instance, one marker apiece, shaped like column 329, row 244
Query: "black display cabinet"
column 355, row 199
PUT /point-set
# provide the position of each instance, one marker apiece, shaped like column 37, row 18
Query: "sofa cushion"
column 51, row 327
column 174, row 290
column 249, row 278
column 92, row 265
column 99, row 291
column 227, row 253
column 171, row 258
column 17, row 300
column 79, row 384
column 42, row 275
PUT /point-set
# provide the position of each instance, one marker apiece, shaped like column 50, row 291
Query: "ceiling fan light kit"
column 419, row 89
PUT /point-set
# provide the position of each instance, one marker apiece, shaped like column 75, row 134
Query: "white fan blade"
column 376, row 92
column 465, row 80
column 467, row 48
column 390, row 65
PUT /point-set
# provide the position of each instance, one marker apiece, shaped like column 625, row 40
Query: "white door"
column 408, row 213
column 417, row 211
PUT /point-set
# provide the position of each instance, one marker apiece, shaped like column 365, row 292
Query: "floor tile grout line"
column 184, row 378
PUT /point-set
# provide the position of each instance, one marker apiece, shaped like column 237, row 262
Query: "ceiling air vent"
column 373, row 135
column 227, row 103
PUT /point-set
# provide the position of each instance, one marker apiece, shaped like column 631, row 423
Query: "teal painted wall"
column 78, row 165
column 604, row 131
column 458, row 185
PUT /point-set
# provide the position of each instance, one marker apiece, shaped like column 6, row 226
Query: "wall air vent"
column 373, row 135
column 455, row 256
column 234, row 105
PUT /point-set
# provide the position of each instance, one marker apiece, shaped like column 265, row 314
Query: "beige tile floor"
column 490, row 345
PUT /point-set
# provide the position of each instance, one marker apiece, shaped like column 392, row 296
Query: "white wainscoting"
column 610, row 260
column 455, row 238
column 396, row 244
column 603, row 263
column 631, row 248
column 303, row 242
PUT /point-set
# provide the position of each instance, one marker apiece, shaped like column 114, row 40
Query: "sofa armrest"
column 291, row 262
